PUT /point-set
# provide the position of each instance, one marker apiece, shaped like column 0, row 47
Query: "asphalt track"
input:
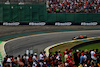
column 40, row 41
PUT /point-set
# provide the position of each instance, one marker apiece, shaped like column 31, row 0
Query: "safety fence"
column 37, row 13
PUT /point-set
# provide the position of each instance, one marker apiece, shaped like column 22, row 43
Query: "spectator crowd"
column 86, row 58
column 73, row 6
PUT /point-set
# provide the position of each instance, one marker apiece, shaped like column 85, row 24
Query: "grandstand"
column 73, row 6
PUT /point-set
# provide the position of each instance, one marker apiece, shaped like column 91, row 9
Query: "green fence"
column 22, row 13
column 37, row 13
column 76, row 17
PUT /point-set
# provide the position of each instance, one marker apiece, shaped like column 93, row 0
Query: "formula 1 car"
column 79, row 37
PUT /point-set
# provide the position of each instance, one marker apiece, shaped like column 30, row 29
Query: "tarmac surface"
column 40, row 41
column 11, row 30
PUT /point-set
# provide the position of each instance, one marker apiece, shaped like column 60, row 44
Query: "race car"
column 79, row 37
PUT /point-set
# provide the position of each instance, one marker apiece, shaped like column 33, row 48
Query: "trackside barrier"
column 27, row 13
column 80, row 40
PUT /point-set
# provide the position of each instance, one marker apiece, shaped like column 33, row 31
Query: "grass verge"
column 63, row 47
column 90, row 46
